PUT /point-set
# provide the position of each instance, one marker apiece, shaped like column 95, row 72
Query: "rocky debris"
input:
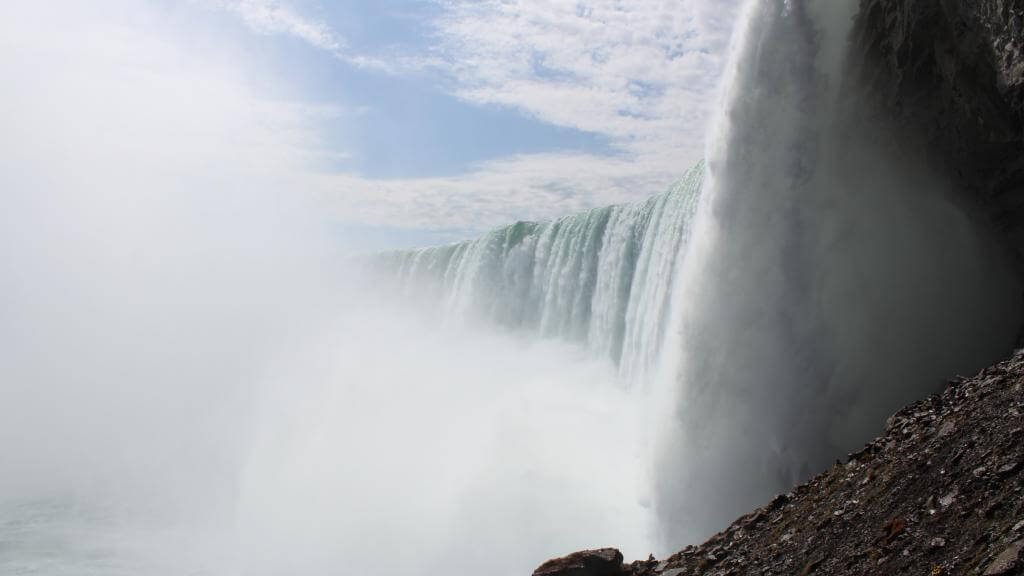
column 952, row 73
column 1006, row 562
column 602, row 562
column 940, row 493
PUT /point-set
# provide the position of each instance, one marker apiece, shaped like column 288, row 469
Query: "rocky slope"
column 941, row 492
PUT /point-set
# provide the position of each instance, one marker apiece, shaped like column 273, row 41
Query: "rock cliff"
column 951, row 73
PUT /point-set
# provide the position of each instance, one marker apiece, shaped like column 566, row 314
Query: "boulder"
column 602, row 562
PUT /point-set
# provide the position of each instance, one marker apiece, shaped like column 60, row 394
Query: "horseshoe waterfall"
column 827, row 275
column 196, row 379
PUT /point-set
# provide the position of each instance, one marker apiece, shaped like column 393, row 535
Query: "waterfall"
column 602, row 278
column 193, row 385
column 779, row 302
column 832, row 276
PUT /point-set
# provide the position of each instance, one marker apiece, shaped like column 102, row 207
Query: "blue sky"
column 418, row 121
column 407, row 125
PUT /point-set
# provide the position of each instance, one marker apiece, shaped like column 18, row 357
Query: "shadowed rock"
column 952, row 71
column 602, row 562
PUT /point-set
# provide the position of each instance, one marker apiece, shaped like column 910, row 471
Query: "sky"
column 404, row 122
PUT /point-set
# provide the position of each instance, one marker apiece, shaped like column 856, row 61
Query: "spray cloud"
column 191, row 381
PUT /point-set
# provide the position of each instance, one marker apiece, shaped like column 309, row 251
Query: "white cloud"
column 642, row 74
column 273, row 17
column 280, row 18
column 633, row 71
column 530, row 187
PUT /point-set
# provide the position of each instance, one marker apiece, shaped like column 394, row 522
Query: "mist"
column 465, row 451
column 193, row 381
column 833, row 276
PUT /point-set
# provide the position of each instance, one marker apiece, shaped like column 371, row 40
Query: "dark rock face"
column 941, row 493
column 951, row 72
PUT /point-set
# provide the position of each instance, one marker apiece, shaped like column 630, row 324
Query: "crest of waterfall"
column 602, row 278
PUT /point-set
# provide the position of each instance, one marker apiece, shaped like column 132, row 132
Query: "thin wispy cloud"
column 280, row 18
column 638, row 71
column 642, row 75
column 272, row 17
column 525, row 187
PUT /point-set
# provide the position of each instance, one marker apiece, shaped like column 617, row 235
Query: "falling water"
column 780, row 301
column 832, row 276
column 602, row 278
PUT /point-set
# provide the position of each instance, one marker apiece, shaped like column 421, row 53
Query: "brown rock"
column 1008, row 469
column 1007, row 562
column 602, row 562
column 810, row 567
column 892, row 529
